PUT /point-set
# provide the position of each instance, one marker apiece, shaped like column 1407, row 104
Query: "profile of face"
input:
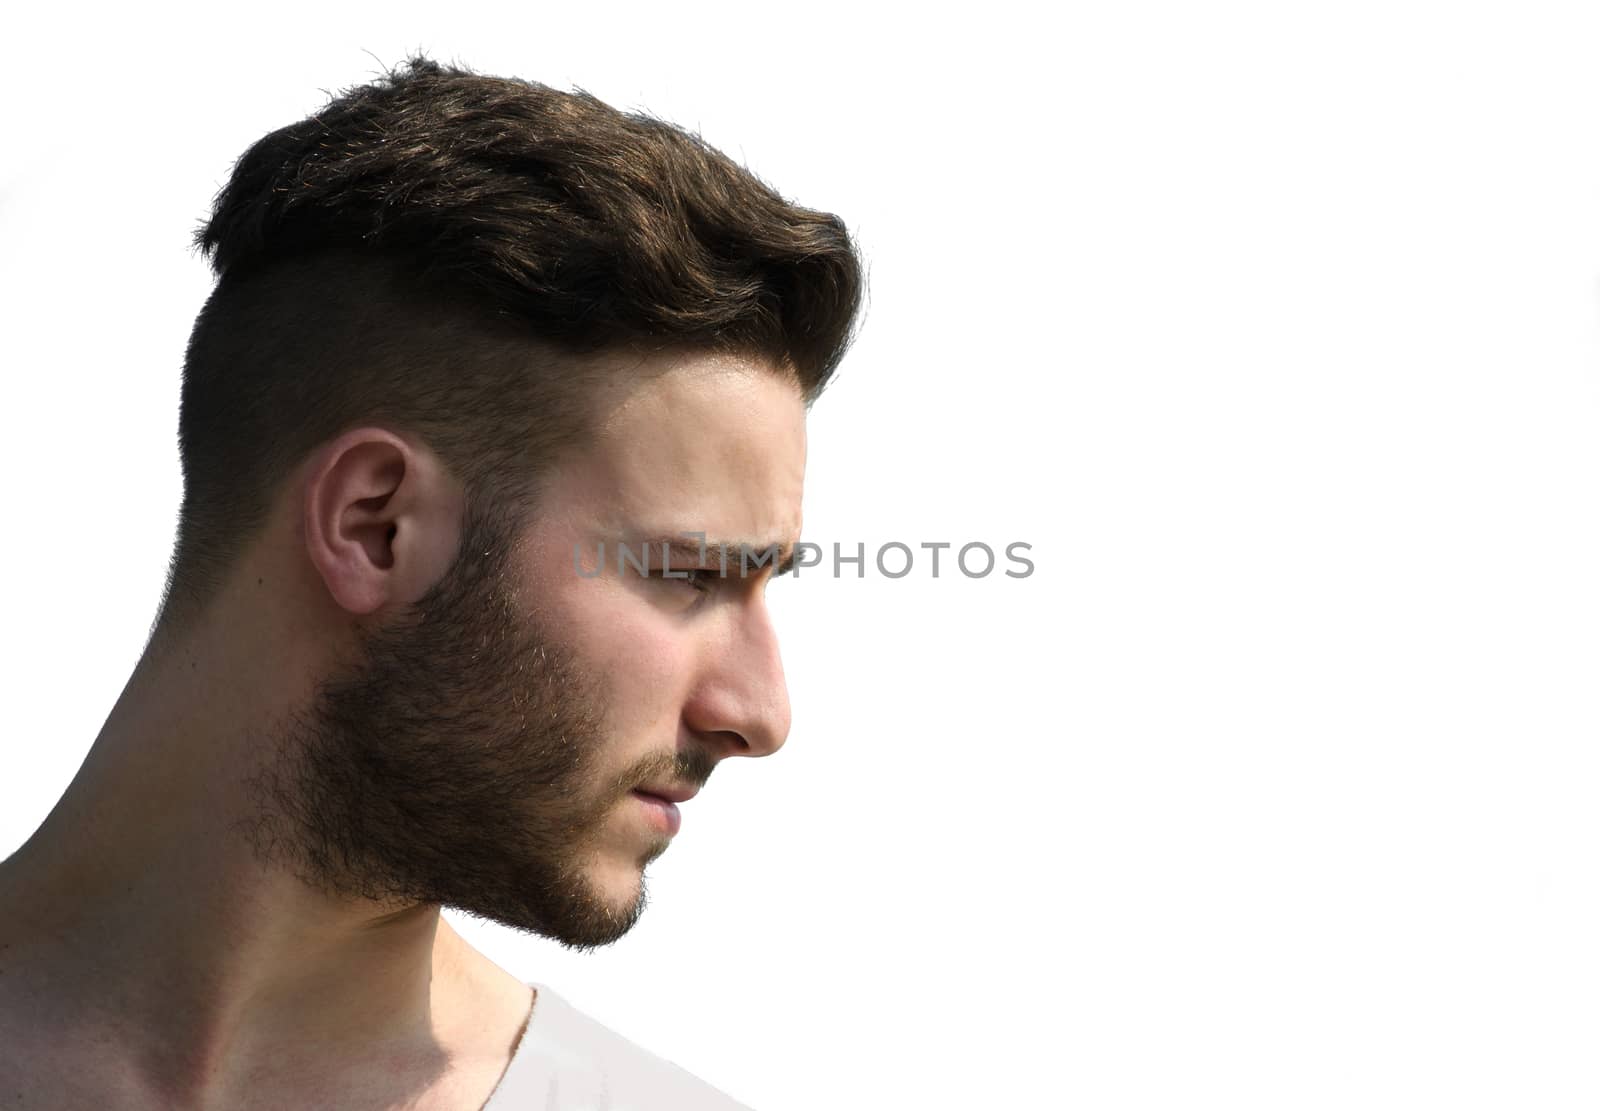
column 486, row 751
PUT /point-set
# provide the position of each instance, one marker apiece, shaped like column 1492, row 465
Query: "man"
column 469, row 335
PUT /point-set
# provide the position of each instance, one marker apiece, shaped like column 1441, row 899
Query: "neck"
column 139, row 914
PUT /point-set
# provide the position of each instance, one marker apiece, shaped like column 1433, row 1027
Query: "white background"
column 1273, row 328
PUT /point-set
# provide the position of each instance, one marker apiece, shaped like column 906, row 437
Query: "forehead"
column 712, row 443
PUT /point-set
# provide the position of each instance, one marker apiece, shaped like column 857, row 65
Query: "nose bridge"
column 743, row 689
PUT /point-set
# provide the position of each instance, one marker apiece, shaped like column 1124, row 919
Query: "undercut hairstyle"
column 447, row 253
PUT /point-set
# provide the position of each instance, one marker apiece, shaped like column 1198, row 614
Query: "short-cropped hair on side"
column 446, row 253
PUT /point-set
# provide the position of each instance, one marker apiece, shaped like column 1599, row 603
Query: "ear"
column 382, row 519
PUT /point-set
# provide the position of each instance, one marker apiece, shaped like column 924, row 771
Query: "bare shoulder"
column 44, row 1068
column 57, row 1065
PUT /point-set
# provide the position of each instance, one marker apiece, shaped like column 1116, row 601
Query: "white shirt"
column 567, row 1061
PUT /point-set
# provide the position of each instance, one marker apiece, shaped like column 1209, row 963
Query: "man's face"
column 486, row 753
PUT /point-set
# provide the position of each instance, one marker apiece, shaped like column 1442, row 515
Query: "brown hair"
column 439, row 250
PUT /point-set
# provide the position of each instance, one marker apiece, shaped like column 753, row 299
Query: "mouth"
column 661, row 812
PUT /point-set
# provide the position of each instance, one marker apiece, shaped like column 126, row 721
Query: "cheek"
column 641, row 654
column 638, row 652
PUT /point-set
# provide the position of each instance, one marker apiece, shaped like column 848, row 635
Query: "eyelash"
column 699, row 578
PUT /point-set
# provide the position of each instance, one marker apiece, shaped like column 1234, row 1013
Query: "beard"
column 457, row 763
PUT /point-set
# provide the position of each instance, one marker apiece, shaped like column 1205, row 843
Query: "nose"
column 741, row 700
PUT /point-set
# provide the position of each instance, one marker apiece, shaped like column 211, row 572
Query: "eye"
column 702, row 579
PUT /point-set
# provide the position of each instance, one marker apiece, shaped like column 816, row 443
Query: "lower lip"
column 662, row 812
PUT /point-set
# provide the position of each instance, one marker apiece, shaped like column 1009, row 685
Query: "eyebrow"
column 689, row 549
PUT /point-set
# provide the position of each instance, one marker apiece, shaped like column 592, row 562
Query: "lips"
column 669, row 794
column 663, row 811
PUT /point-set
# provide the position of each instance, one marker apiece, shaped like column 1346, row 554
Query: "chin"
column 619, row 879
